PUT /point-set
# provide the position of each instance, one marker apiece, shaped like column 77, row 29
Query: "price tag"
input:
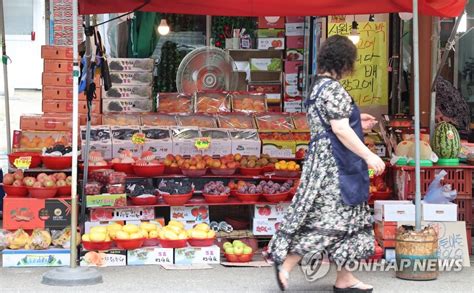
column 203, row 143
column 22, row 163
column 138, row 138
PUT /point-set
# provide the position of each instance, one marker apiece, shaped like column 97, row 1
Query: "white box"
column 440, row 212
column 197, row 255
column 184, row 139
column 157, row 140
column 294, row 29
column 266, row 64
column 101, row 141
column 245, row 142
column 122, row 214
column 265, row 211
column 128, row 92
column 122, row 140
column 291, row 79
column 190, row 213
column 131, row 64
column 53, row 257
column 394, row 210
column 267, row 43
column 150, row 256
column 265, row 226
column 221, row 143
column 127, row 105
column 131, row 78
column 293, row 106
column 109, row 258
column 292, row 91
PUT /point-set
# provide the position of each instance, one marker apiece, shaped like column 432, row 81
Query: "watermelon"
column 446, row 141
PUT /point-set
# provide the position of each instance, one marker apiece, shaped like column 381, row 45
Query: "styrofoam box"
column 197, row 255
column 189, row 213
column 394, row 210
column 150, row 256
column 265, row 226
column 245, row 147
column 53, row 257
column 439, row 212
column 109, row 258
column 219, row 146
column 265, row 211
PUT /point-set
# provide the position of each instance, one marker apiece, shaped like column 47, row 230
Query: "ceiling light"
column 163, row 28
column 354, row 35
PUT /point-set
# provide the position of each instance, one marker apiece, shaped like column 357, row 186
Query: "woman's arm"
column 350, row 140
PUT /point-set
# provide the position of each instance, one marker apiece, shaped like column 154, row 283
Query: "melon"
column 446, row 141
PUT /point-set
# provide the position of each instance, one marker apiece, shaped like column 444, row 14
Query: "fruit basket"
column 167, row 243
column 250, row 171
column 89, row 245
column 15, row 191
column 223, row 172
column 246, row 197
column 35, row 158
column 277, row 197
column 287, row 173
column 127, row 168
column 149, row 171
column 57, row 163
column 151, row 242
column 64, row 191
column 129, row 243
column 194, row 172
column 42, row 192
column 201, row 242
column 268, row 169
column 177, row 199
column 213, row 198
column 238, row 258
column 148, row 200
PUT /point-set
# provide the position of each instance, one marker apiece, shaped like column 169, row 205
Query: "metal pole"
column 400, row 71
column 208, row 30
column 5, row 80
column 434, row 64
column 416, row 79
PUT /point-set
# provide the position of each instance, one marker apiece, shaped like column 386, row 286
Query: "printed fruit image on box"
column 174, row 103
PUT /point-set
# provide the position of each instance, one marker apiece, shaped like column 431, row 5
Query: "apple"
column 29, row 181
column 229, row 250
column 37, row 184
column 41, row 177
column 18, row 175
column 8, row 179
column 69, row 181
column 236, row 243
column 52, row 178
column 227, row 245
column 60, row 176
column 61, row 183
column 49, row 183
column 247, row 250
column 18, row 183
column 238, row 250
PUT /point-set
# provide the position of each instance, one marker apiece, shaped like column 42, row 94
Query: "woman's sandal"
column 356, row 288
column 279, row 270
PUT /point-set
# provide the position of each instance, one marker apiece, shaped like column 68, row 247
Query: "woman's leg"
column 290, row 262
column 346, row 279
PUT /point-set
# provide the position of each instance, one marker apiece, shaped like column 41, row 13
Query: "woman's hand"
column 368, row 121
column 375, row 162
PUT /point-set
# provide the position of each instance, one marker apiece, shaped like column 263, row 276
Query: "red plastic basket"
column 212, row 198
column 177, row 199
column 57, row 163
column 64, row 191
column 149, row 200
column 89, row 245
column 194, row 172
column 35, row 158
column 244, row 197
column 126, row 168
column 149, row 171
column 201, row 242
column 42, row 192
column 166, row 243
column 172, row 170
column 129, row 243
column 267, row 169
column 250, row 171
column 151, row 242
column 464, row 210
column 223, row 172
column 238, row 258
column 288, row 174
column 276, row 198
column 15, row 191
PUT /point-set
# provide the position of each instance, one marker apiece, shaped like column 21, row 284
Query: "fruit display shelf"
column 266, row 176
column 39, row 170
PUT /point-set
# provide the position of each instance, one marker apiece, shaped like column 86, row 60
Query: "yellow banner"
column 368, row 85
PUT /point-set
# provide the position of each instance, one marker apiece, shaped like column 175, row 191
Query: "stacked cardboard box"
column 294, row 27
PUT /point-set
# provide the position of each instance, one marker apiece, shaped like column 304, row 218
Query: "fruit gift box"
column 245, row 142
column 278, row 144
column 128, row 92
column 274, row 121
column 300, row 121
column 125, row 105
column 302, row 139
column 184, row 140
column 122, row 140
column 198, row 120
column 37, row 140
column 236, row 120
column 249, row 102
column 158, row 120
column 100, row 141
column 212, row 102
column 120, row 119
column 221, row 143
column 174, row 103
column 157, row 140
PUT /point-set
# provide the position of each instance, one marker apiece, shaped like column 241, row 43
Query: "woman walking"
column 329, row 211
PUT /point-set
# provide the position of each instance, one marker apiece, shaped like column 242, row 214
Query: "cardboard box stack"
column 292, row 100
column 267, row 218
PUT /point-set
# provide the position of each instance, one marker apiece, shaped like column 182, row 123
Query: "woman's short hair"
column 337, row 55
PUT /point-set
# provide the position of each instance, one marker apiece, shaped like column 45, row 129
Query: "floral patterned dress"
column 317, row 220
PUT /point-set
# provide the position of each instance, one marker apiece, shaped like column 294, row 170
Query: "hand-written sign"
column 368, row 85
column 22, row 163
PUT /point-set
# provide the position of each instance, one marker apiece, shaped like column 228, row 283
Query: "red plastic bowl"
column 286, row 173
column 212, row 198
column 233, row 192
column 251, row 171
column 245, row 197
column 276, row 198
column 89, row 245
column 91, row 169
column 35, row 158
column 42, row 192
column 223, row 172
column 267, row 169
column 129, row 243
column 238, row 258
column 64, row 191
column 149, row 171
column 57, row 163
column 15, row 191
column 194, row 172
column 201, row 242
column 166, row 243
column 151, row 242
column 177, row 199
column 126, row 168
column 150, row 200
column 172, row 170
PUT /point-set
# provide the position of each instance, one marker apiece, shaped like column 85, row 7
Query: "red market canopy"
column 444, row 8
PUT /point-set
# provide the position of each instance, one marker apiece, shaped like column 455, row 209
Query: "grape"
column 253, row 190
column 259, row 189
column 283, row 189
column 290, row 182
column 276, row 186
column 242, row 189
column 270, row 183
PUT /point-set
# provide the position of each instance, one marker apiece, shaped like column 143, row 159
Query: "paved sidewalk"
column 222, row 279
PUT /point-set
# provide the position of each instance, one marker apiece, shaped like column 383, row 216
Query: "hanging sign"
column 368, row 85
column 138, row 139
column 22, row 163
column 202, row 143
